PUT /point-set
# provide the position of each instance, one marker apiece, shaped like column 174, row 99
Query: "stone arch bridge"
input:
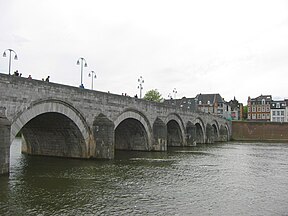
column 65, row 121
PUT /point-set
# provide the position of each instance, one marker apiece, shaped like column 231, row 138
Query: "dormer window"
column 208, row 102
column 277, row 105
column 263, row 101
column 200, row 102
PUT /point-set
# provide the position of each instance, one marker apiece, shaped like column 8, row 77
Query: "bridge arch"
column 132, row 131
column 224, row 133
column 175, row 130
column 52, row 127
column 200, row 131
column 215, row 124
column 212, row 132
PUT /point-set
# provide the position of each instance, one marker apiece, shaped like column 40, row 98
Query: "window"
column 274, row 113
column 282, row 113
column 208, row 102
column 277, row 105
column 278, row 113
column 263, row 101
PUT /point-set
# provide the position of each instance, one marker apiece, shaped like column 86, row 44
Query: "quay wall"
column 259, row 131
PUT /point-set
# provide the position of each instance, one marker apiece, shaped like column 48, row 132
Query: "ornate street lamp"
column 92, row 74
column 81, row 60
column 15, row 57
column 140, row 87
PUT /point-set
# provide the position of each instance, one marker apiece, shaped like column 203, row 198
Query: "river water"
column 220, row 179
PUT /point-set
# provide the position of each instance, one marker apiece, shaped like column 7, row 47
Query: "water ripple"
column 228, row 179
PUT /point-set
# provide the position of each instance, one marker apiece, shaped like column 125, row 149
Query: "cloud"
column 227, row 47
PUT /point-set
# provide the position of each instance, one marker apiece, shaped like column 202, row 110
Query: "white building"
column 279, row 111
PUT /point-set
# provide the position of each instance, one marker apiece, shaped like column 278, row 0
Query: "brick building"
column 259, row 108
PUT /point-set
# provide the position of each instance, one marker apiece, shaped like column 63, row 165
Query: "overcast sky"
column 234, row 48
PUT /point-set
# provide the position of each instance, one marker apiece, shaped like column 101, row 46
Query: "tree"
column 153, row 95
column 245, row 112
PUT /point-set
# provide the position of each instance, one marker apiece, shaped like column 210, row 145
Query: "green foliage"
column 245, row 112
column 153, row 95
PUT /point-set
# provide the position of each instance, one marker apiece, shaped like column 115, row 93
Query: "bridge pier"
column 5, row 127
column 160, row 135
column 190, row 134
column 103, row 138
column 210, row 136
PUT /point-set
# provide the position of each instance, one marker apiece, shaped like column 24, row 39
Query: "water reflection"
column 222, row 179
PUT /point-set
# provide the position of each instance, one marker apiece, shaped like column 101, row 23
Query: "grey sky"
column 235, row 48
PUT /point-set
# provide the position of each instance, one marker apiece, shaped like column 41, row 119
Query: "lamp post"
column 175, row 92
column 81, row 60
column 15, row 57
column 140, row 81
column 92, row 75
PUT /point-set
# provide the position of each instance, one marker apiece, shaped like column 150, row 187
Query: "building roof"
column 234, row 104
column 261, row 97
column 210, row 98
column 278, row 104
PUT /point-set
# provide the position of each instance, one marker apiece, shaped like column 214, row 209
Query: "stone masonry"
column 4, row 142
column 66, row 121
